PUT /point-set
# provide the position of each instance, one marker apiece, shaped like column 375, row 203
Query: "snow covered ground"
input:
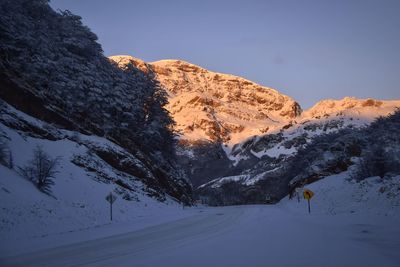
column 237, row 236
column 351, row 224
column 30, row 219
column 78, row 200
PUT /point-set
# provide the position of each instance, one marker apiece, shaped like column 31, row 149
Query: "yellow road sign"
column 308, row 194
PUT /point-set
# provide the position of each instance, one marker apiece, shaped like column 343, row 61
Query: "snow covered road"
column 142, row 243
column 237, row 236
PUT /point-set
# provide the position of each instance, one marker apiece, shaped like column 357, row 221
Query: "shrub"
column 41, row 170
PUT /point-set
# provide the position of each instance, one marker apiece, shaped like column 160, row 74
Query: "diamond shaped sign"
column 111, row 198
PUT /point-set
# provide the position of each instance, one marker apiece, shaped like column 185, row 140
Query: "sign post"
column 111, row 199
column 308, row 194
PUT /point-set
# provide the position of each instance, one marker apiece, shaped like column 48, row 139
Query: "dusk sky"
column 309, row 50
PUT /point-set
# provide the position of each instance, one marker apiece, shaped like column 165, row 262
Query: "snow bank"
column 77, row 204
column 338, row 194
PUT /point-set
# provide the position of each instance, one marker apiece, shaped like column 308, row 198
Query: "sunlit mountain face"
column 217, row 107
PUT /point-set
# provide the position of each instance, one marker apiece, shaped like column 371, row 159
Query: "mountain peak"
column 124, row 60
column 171, row 62
column 350, row 106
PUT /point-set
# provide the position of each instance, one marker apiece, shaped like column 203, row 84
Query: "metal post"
column 111, row 211
column 309, row 209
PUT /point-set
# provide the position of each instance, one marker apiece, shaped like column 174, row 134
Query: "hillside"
column 364, row 152
column 88, row 168
column 56, row 85
column 324, row 117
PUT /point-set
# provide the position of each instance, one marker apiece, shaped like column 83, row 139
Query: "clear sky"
column 309, row 50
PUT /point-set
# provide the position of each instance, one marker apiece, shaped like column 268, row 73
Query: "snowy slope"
column 339, row 194
column 325, row 117
column 79, row 204
column 272, row 150
column 245, row 179
column 82, row 181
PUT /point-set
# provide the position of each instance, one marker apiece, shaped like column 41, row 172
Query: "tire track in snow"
column 155, row 239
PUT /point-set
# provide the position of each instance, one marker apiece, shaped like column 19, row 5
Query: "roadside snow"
column 351, row 224
column 338, row 194
column 261, row 235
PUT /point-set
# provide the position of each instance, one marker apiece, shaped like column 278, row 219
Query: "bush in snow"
column 41, row 170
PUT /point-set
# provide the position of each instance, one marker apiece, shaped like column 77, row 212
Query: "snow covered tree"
column 52, row 67
column 58, row 59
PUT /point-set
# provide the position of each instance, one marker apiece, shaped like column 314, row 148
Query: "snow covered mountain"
column 228, row 124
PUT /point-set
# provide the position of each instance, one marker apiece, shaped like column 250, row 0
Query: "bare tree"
column 41, row 170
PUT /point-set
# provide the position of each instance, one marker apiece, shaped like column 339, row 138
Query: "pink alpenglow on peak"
column 217, row 107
